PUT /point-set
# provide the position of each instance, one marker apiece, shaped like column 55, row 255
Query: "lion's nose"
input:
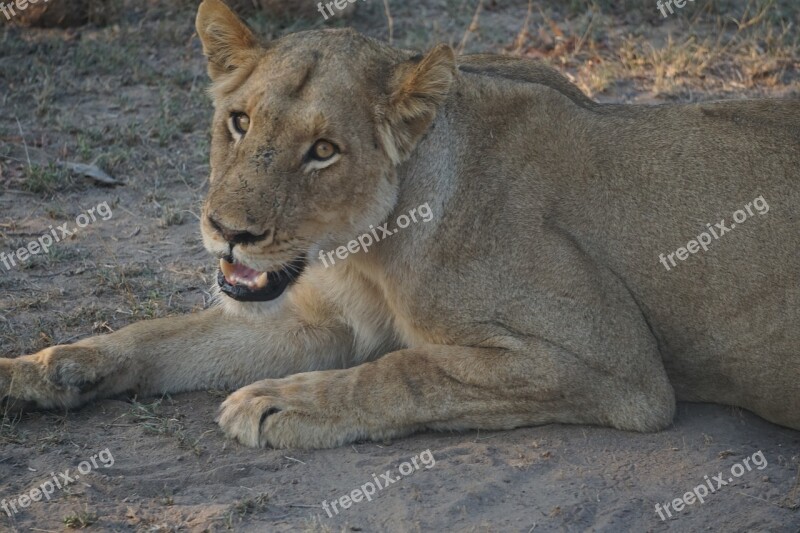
column 234, row 236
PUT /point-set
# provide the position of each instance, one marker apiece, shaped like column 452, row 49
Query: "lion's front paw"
column 61, row 376
column 16, row 392
column 242, row 415
column 287, row 413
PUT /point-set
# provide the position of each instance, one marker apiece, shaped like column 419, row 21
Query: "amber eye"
column 241, row 123
column 323, row 150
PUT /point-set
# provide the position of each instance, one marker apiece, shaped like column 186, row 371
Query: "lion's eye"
column 240, row 122
column 323, row 150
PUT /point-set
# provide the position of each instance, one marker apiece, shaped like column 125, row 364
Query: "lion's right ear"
column 228, row 42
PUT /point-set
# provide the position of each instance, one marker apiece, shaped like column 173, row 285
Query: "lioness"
column 535, row 293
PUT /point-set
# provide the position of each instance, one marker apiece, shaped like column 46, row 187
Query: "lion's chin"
column 243, row 284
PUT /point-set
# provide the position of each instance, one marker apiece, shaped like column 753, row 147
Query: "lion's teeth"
column 261, row 281
column 227, row 269
column 236, row 273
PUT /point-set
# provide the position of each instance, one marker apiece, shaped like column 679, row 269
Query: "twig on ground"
column 473, row 26
column 40, row 157
column 389, row 20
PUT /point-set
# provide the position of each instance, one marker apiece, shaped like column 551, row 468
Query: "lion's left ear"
column 228, row 43
column 417, row 89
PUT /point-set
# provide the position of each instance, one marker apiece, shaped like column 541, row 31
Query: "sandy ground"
column 175, row 472
column 129, row 97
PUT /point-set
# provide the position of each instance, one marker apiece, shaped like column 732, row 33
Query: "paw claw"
column 269, row 412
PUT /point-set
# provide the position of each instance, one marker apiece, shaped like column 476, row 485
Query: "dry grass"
column 68, row 13
column 749, row 48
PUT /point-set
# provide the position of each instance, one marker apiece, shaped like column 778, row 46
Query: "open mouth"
column 247, row 285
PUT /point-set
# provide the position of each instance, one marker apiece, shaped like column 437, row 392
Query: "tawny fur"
column 535, row 294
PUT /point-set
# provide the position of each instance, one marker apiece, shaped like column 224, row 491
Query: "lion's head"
column 307, row 133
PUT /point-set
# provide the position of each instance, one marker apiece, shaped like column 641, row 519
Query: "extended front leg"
column 445, row 387
column 210, row 349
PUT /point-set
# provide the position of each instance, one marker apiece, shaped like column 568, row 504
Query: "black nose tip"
column 235, row 236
